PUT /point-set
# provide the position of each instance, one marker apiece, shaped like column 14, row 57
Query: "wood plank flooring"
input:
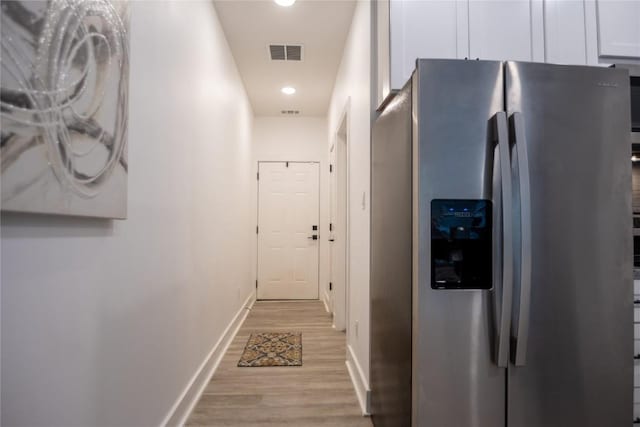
column 318, row 393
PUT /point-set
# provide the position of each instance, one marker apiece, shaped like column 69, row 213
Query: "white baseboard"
column 180, row 410
column 359, row 381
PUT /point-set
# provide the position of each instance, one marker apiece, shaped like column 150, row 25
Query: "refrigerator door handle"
column 521, row 326
column 506, row 263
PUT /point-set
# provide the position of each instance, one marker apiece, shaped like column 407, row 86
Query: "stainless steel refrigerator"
column 501, row 260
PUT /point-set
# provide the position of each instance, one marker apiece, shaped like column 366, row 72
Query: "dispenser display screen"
column 461, row 244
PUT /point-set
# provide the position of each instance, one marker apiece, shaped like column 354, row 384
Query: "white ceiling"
column 321, row 26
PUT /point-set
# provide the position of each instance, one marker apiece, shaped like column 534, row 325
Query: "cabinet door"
column 619, row 28
column 425, row 29
column 382, row 50
column 565, row 36
column 501, row 30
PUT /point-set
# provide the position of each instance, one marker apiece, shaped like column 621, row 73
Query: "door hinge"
column 256, row 229
column 330, row 226
column 330, row 168
column 258, row 176
column 330, row 286
column 256, row 284
column 287, row 164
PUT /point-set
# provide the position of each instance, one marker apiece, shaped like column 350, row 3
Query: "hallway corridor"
column 319, row 393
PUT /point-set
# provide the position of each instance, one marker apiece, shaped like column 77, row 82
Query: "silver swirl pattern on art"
column 61, row 61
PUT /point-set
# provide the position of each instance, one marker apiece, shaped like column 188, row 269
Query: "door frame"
column 258, row 220
column 340, row 294
column 328, row 293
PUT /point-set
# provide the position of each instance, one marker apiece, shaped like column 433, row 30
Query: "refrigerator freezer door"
column 578, row 369
column 455, row 379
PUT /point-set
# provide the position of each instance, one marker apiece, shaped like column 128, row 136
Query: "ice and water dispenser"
column 461, row 244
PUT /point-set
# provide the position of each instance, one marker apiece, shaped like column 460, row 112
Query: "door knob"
column 332, row 240
column 313, row 237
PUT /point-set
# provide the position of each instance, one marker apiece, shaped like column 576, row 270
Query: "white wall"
column 353, row 88
column 105, row 322
column 294, row 139
column 290, row 138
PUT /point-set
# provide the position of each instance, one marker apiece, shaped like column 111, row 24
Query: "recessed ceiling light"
column 288, row 90
column 285, row 3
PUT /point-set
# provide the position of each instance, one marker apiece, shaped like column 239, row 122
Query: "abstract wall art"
column 64, row 107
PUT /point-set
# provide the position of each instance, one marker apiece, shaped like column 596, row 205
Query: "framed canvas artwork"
column 64, row 107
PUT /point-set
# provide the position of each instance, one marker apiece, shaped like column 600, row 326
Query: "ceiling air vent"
column 285, row 52
column 294, row 53
column 277, row 52
column 290, row 112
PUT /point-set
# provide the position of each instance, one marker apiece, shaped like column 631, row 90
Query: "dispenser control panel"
column 461, row 244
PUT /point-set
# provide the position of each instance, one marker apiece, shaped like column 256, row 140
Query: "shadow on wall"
column 21, row 225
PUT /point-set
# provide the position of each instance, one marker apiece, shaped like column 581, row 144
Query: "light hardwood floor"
column 319, row 393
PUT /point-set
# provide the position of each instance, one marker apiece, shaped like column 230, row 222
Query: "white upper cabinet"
column 501, row 29
column 577, row 32
column 618, row 28
column 382, row 50
column 565, row 38
column 424, row 29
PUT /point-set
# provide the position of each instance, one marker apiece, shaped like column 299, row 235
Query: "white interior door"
column 288, row 211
